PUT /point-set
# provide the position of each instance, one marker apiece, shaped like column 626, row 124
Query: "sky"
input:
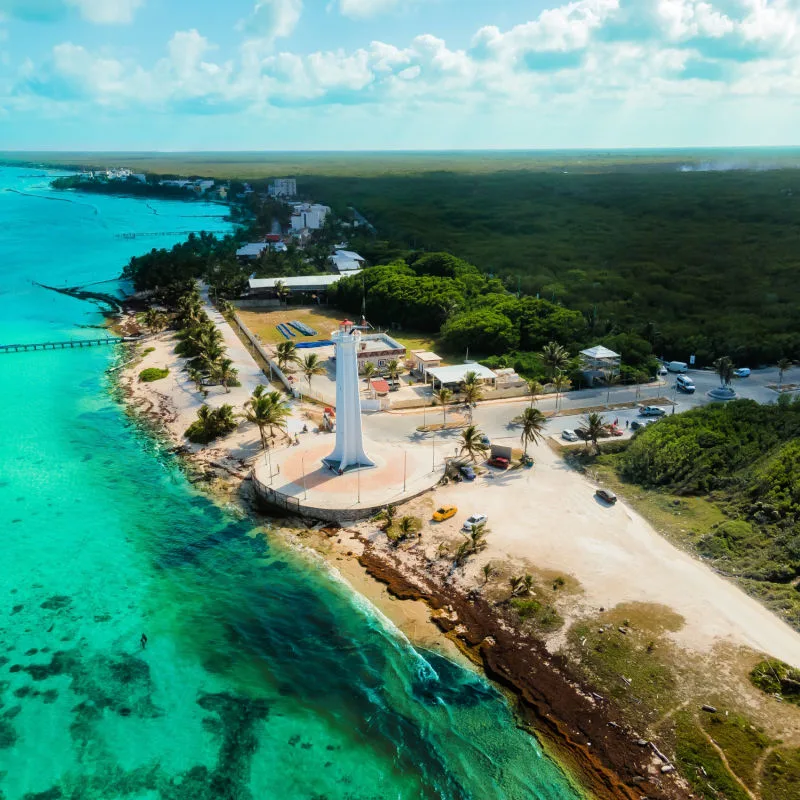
column 397, row 74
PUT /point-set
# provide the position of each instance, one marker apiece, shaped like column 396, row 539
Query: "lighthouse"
column 348, row 454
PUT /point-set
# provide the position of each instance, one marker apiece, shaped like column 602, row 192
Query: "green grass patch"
column 701, row 765
column 780, row 779
column 627, row 667
column 153, row 374
column 742, row 743
column 542, row 616
column 148, row 350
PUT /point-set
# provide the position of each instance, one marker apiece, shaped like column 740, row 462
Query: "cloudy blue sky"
column 400, row 74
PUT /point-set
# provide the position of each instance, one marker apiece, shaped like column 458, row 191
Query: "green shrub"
column 210, row 424
column 541, row 615
column 148, row 350
column 775, row 677
column 153, row 374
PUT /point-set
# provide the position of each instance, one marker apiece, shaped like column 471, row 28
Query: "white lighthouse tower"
column 348, row 454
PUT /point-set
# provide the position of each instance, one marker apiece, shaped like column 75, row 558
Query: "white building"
column 283, row 187
column 346, row 262
column 252, row 250
column 310, row 216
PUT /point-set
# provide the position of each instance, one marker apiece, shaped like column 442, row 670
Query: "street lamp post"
column 433, row 451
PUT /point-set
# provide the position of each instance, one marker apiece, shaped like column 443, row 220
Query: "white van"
column 685, row 384
column 677, row 366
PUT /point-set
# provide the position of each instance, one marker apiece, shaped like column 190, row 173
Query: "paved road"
column 495, row 419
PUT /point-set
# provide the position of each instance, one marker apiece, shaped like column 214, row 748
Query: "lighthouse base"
column 334, row 464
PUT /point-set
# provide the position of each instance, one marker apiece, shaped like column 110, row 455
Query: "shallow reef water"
column 263, row 676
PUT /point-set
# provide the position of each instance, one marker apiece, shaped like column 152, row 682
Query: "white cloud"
column 106, row 12
column 272, row 19
column 361, row 9
column 563, row 56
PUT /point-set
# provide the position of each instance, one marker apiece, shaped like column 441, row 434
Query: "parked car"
column 651, row 411
column 473, row 520
column 499, row 461
column 677, row 366
column 642, row 423
column 569, row 436
column 467, row 471
column 615, row 430
column 742, row 372
column 662, row 370
column 607, row 496
column 582, row 433
column 445, row 512
column 685, row 384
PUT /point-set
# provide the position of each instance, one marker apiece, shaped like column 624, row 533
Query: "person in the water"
column 144, row 641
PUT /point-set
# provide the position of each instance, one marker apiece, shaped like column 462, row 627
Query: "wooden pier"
column 66, row 345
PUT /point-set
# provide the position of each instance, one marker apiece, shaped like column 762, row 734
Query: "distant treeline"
column 701, row 263
column 132, row 187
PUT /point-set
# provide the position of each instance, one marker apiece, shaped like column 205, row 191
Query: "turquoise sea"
column 264, row 676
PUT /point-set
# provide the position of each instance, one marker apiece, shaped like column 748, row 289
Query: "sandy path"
column 549, row 516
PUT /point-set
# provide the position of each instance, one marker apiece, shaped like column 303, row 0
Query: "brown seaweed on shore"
column 585, row 730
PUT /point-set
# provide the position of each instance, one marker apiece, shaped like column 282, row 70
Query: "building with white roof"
column 303, row 283
column 454, row 375
column 346, row 261
column 251, row 251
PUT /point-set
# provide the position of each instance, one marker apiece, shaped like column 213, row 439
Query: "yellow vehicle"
column 443, row 513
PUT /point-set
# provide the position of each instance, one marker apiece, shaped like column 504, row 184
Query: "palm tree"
column 472, row 393
column 442, row 396
column 783, row 365
column 368, row 370
column 224, row 418
column 407, row 526
column 196, row 377
column 281, row 291
column 189, row 308
column 267, row 411
column 285, row 354
column 226, row 308
column 471, row 441
column 533, row 424
column 724, row 368
column 470, row 379
column 311, row 366
column 612, row 379
column 154, row 320
column 534, row 388
column 393, row 369
column 561, row 383
column 488, row 571
column 224, row 372
column 595, row 426
column 555, row 357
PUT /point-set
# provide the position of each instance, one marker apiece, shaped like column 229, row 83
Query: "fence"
column 271, row 367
